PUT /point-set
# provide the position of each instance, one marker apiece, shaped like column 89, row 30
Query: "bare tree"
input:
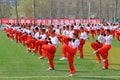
column 16, row 9
column 51, row 2
column 82, row 10
column 100, row 11
column 115, row 2
column 116, row 7
column 34, row 12
column 0, row 12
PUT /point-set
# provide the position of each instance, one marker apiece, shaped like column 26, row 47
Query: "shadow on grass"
column 94, row 78
column 115, row 69
column 60, row 70
column 115, row 64
column 61, row 63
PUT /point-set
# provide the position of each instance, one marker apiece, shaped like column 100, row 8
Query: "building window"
column 61, row 3
column 77, row 12
column 70, row 3
column 78, row 3
column 85, row 4
column 61, row 11
column 70, row 11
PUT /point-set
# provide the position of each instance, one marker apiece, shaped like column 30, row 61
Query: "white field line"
column 22, row 77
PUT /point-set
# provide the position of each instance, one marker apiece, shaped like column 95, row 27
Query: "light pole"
column 89, row 10
column 82, row 11
column 100, row 10
column 116, row 8
column 51, row 1
column 0, row 13
column 16, row 11
column 34, row 12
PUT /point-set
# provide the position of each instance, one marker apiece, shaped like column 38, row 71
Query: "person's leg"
column 104, row 53
column 50, row 54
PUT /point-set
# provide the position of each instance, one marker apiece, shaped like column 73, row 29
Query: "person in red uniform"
column 83, row 37
column 64, row 44
column 23, row 37
column 92, row 31
column 71, row 48
column 29, row 37
column 64, row 41
column 50, row 48
column 117, row 32
column 18, row 34
column 98, row 44
column 103, row 51
column 40, row 42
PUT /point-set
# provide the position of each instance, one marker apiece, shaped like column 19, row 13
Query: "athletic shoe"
column 50, row 68
column 41, row 57
column 98, row 62
column 63, row 58
column 94, row 52
column 28, row 51
column 80, row 58
column 104, row 68
column 70, row 75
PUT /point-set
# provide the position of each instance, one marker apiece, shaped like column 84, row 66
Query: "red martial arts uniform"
column 83, row 38
column 72, row 49
column 103, row 51
column 98, row 44
column 50, row 49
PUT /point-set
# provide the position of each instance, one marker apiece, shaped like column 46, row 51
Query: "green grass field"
column 17, row 64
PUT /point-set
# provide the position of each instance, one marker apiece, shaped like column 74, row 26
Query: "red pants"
column 18, row 34
column 23, row 38
column 59, row 38
column 118, row 35
column 30, row 43
column 50, row 50
column 27, row 41
column 38, row 46
column 112, row 33
column 103, row 51
column 93, row 33
column 96, row 46
column 64, row 44
column 64, row 52
column 87, row 31
column 71, row 53
column 80, row 48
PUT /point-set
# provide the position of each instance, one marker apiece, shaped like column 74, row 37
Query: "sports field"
column 17, row 64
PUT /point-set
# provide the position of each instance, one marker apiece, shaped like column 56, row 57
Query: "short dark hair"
column 108, row 30
column 81, row 27
column 36, row 28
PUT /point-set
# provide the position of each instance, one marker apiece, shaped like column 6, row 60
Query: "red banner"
column 48, row 21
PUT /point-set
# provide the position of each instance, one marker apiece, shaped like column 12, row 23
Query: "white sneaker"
column 104, row 68
column 41, row 57
column 63, row 58
column 70, row 75
column 98, row 62
column 94, row 52
column 50, row 68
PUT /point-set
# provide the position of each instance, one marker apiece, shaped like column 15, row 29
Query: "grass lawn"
column 17, row 64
